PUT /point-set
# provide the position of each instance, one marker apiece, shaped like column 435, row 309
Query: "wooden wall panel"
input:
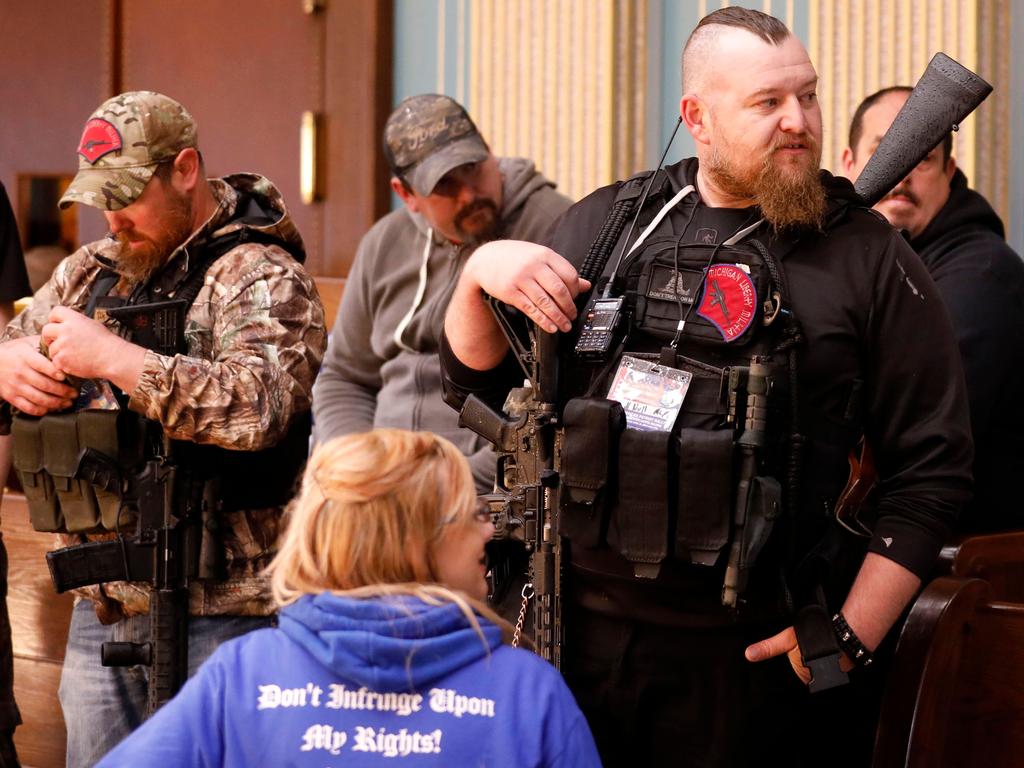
column 357, row 99
column 54, row 68
column 556, row 82
column 245, row 71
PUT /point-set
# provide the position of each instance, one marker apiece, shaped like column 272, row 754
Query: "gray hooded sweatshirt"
column 381, row 367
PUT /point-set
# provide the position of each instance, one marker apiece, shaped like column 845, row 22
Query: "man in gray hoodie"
column 382, row 367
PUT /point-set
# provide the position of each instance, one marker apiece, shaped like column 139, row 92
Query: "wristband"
column 849, row 643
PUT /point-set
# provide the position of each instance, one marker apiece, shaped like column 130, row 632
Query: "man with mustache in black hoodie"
column 961, row 241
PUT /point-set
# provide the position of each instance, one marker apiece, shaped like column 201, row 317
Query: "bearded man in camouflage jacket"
column 254, row 337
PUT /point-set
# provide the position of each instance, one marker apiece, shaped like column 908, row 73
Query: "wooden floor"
column 39, row 627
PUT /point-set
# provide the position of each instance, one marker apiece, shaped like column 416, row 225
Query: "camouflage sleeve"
column 255, row 338
column 31, row 321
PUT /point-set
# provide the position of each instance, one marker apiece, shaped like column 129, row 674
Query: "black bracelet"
column 849, row 643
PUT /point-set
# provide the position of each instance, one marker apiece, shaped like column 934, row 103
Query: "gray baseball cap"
column 427, row 136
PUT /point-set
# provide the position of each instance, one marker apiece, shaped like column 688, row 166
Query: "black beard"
column 487, row 224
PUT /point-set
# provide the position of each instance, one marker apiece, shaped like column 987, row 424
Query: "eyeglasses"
column 481, row 514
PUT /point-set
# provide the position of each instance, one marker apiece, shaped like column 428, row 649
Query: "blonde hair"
column 368, row 511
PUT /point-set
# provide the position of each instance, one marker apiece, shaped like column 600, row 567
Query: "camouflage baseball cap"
column 427, row 136
column 122, row 144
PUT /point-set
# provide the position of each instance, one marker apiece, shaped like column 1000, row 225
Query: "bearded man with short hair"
column 230, row 392
column 697, row 550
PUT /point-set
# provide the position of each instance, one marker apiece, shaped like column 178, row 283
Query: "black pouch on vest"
column 43, row 508
column 719, row 290
column 638, row 527
column 764, row 505
column 706, row 491
column 592, row 426
column 61, row 452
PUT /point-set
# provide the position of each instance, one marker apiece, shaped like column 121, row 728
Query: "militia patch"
column 99, row 138
column 730, row 300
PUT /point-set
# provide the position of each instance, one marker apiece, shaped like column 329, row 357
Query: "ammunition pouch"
column 592, row 427
column 705, row 492
column 679, row 496
column 638, row 528
column 70, row 466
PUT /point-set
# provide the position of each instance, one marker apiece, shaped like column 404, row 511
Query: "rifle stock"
column 946, row 93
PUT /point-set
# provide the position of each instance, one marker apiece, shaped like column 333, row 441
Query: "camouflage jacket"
column 255, row 337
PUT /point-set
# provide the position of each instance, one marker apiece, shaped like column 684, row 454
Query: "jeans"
column 102, row 705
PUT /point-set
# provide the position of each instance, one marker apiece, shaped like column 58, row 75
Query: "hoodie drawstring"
column 420, row 291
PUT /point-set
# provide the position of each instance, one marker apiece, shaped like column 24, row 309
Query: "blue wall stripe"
column 677, row 21
column 415, row 68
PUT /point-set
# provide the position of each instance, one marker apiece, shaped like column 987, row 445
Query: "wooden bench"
column 955, row 694
column 996, row 558
column 39, row 630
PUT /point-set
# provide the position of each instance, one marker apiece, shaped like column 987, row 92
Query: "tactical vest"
column 70, row 463
column 709, row 491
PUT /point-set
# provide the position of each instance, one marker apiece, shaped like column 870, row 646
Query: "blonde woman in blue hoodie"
column 385, row 648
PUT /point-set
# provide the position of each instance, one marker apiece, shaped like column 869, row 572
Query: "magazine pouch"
column 99, row 431
column 590, row 445
column 638, row 525
column 706, row 488
column 61, row 450
column 36, row 483
column 69, row 491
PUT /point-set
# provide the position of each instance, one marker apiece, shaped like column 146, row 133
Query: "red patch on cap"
column 99, row 138
column 729, row 301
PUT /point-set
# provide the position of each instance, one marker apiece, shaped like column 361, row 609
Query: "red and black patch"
column 730, row 300
column 99, row 138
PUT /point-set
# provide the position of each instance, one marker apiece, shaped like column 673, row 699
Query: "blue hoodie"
column 388, row 681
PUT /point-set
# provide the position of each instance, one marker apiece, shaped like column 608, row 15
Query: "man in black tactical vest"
column 158, row 390
column 743, row 336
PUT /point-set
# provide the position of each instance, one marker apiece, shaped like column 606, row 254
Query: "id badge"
column 651, row 395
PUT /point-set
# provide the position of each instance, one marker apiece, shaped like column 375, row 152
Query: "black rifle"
column 171, row 513
column 525, row 504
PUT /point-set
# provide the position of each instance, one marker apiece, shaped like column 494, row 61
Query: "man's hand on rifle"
column 532, row 278
column 30, row 382
column 83, row 347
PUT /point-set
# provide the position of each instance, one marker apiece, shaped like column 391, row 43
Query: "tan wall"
column 860, row 46
column 556, row 81
column 561, row 81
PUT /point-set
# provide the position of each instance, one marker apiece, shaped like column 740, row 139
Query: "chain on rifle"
column 527, row 588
